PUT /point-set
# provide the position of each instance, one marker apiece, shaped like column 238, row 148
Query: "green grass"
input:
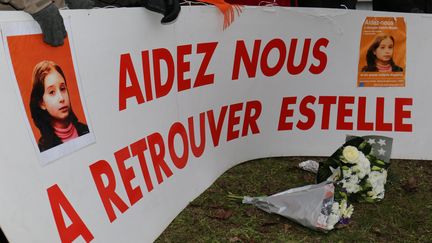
column 405, row 214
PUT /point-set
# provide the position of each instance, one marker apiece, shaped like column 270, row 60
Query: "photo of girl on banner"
column 379, row 56
column 47, row 81
column 382, row 53
column 51, row 108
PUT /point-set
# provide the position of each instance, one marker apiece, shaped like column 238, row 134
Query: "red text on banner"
column 302, row 113
column 160, row 156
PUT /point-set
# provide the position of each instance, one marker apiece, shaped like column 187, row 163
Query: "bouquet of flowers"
column 357, row 171
column 359, row 168
column 313, row 206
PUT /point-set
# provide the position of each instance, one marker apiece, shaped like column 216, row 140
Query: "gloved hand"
column 51, row 23
column 80, row 4
column 169, row 8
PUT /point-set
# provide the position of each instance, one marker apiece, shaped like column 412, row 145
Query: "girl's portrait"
column 50, row 106
column 51, row 93
column 379, row 56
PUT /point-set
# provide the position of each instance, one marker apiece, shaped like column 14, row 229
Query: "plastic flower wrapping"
column 313, row 206
column 356, row 172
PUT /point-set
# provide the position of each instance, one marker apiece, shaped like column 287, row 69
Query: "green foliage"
column 324, row 172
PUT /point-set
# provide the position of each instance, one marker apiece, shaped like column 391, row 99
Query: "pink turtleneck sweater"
column 66, row 134
column 384, row 68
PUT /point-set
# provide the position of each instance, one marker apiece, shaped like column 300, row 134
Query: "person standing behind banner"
column 379, row 57
column 51, row 108
column 408, row 6
column 46, row 12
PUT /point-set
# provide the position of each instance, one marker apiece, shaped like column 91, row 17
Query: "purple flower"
column 344, row 221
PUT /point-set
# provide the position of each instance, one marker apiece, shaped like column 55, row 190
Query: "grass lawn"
column 405, row 214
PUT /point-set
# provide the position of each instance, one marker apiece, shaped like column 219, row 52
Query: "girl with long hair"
column 51, row 108
column 379, row 56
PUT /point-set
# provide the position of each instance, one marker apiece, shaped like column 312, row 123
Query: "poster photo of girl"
column 51, row 96
column 382, row 54
column 379, row 56
column 51, row 108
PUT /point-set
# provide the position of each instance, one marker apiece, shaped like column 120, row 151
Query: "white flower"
column 376, row 193
column 331, row 221
column 338, row 212
column 335, row 208
column 347, row 211
column 343, row 206
column 347, row 172
column 334, row 216
column 351, row 184
column 363, row 166
column 351, row 154
column 377, row 180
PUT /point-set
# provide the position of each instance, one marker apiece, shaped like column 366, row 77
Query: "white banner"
column 166, row 109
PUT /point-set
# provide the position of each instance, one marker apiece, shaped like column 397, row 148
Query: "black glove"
column 51, row 23
column 169, row 8
column 80, row 4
